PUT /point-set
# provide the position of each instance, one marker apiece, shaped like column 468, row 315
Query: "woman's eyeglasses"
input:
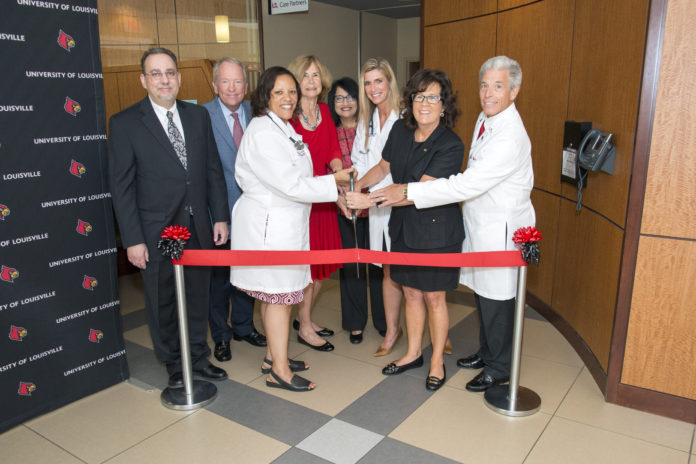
column 342, row 98
column 432, row 99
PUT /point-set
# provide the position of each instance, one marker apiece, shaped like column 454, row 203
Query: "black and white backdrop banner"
column 60, row 330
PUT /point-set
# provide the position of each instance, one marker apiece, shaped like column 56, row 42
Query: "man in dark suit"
column 229, row 114
column 165, row 170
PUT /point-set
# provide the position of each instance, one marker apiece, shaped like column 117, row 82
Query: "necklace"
column 299, row 145
column 306, row 119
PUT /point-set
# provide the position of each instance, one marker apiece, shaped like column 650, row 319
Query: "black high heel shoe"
column 433, row 383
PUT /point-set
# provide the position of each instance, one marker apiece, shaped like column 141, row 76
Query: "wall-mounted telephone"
column 585, row 149
column 596, row 150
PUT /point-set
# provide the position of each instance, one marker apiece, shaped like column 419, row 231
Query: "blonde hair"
column 299, row 66
column 366, row 105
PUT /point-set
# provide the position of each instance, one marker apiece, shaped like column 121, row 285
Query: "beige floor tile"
column 340, row 381
column 139, row 335
column 585, row 403
column 203, row 437
column 455, row 424
column 103, row 424
column 130, row 293
column 542, row 340
column 569, row 442
column 23, row 445
column 551, row 381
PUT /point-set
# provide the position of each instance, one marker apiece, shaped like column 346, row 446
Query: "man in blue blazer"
column 230, row 114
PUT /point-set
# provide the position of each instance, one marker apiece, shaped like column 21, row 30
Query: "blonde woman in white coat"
column 379, row 106
column 495, row 190
column 274, row 171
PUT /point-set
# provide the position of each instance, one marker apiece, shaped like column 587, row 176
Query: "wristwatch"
column 405, row 190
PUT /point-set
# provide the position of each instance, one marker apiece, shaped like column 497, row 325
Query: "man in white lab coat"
column 495, row 191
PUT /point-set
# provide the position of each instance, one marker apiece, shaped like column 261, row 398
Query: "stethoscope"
column 298, row 144
column 370, row 134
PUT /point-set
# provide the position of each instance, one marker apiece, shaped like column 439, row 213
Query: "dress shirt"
column 161, row 113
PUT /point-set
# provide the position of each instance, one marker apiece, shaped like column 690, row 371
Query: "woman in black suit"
column 422, row 147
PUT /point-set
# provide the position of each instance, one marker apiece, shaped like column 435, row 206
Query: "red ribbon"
column 349, row 255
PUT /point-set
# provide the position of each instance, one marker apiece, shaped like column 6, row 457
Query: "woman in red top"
column 318, row 131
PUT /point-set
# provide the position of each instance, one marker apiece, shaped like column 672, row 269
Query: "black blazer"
column 440, row 155
column 150, row 188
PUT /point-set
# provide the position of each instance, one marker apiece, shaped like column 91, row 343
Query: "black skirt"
column 425, row 278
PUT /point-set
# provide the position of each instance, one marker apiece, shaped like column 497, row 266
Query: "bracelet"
column 405, row 191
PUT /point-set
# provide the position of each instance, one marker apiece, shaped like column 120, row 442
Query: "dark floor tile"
column 298, row 456
column 392, row 451
column 134, row 319
column 285, row 421
column 144, row 366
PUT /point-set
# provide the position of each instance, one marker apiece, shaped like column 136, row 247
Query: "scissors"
column 354, row 220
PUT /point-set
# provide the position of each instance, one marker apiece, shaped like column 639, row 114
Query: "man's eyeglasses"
column 346, row 98
column 157, row 75
column 432, row 99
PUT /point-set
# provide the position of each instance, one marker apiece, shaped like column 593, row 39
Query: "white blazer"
column 273, row 211
column 363, row 160
column 495, row 189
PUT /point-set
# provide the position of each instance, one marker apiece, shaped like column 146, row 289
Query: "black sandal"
column 295, row 366
column 297, row 383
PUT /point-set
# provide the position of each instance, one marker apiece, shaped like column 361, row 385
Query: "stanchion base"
column 498, row 399
column 204, row 393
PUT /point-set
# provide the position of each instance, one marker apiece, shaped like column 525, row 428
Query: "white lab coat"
column 273, row 211
column 495, row 189
column 363, row 160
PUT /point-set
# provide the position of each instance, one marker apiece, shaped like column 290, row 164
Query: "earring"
column 442, row 115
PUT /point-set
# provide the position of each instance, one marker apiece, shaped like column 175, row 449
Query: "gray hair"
column 228, row 59
column 503, row 62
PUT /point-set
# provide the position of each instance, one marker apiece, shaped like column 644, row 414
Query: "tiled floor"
column 356, row 415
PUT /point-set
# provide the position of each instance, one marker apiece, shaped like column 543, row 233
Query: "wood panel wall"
column 583, row 60
column 662, row 323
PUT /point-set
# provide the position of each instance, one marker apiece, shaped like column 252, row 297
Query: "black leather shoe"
column 254, row 338
column 176, row 380
column 222, row 351
column 471, row 362
column 483, row 382
column 393, row 369
column 433, row 383
column 322, row 333
column 356, row 338
column 325, row 347
column 211, row 372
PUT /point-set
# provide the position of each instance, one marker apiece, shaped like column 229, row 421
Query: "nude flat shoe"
column 385, row 351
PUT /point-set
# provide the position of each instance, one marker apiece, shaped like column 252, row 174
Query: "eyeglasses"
column 157, row 75
column 432, row 99
column 346, row 98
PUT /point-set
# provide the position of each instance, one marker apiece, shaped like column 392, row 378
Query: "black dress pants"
column 495, row 335
column 162, row 312
column 354, row 289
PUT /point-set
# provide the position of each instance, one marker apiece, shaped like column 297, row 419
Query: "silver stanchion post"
column 514, row 400
column 195, row 393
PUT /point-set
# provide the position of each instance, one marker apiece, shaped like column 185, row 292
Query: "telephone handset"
column 595, row 149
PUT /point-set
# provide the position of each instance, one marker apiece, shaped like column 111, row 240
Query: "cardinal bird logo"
column 83, row 227
column 65, row 41
column 17, row 333
column 8, row 274
column 71, row 106
column 77, row 169
column 4, row 211
column 95, row 335
column 26, row 388
column 88, row 283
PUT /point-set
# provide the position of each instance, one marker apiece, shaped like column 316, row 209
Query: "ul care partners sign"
column 287, row 6
column 60, row 333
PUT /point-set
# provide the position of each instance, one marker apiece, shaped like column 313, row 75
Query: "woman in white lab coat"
column 274, row 171
column 379, row 106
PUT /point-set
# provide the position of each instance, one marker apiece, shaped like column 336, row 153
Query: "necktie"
column 176, row 139
column 480, row 131
column 236, row 130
